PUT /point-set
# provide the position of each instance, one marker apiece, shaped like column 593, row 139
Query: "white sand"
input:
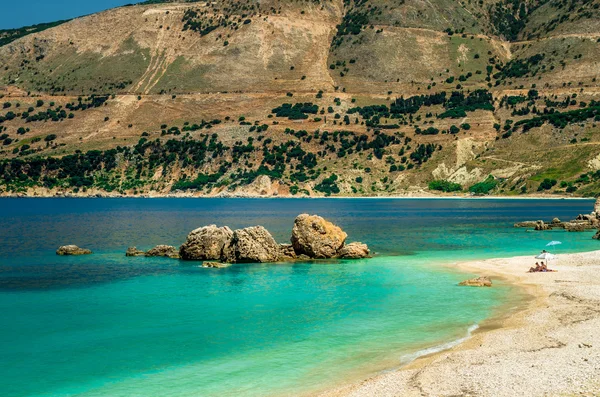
column 550, row 347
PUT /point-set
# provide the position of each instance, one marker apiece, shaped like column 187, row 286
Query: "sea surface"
column 107, row 325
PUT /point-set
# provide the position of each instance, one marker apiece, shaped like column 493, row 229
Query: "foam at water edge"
column 408, row 358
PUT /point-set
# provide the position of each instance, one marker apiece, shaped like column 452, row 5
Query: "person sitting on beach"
column 537, row 268
column 544, row 267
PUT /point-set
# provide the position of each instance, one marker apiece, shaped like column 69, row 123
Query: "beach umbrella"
column 546, row 256
column 553, row 243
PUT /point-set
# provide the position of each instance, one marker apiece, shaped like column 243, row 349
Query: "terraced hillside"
column 313, row 97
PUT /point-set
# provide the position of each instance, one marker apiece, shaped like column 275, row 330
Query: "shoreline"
column 546, row 345
column 257, row 197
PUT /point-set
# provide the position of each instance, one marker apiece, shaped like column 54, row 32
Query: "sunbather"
column 537, row 268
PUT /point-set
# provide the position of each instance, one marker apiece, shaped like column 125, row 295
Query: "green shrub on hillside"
column 484, row 187
column 444, row 186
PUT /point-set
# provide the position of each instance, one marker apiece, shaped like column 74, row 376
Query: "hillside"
column 305, row 97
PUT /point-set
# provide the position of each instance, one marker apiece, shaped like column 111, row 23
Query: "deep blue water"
column 109, row 325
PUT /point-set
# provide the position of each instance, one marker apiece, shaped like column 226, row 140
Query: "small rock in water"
column 354, row 251
column 133, row 251
column 167, row 251
column 216, row 265
column 72, row 250
column 483, row 281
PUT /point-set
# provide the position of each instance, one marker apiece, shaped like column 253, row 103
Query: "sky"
column 30, row 12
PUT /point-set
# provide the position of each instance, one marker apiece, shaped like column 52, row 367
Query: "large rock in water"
column 206, row 243
column 167, row 251
column 72, row 250
column 477, row 282
column 252, row 244
column 354, row 251
column 317, row 238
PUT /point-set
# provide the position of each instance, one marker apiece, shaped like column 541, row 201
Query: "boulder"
column 164, row 250
column 252, row 244
column 216, row 265
column 555, row 221
column 354, row 251
column 597, row 235
column 133, row 251
column 72, row 250
column 317, row 238
column 206, row 243
column 597, row 206
column 483, row 281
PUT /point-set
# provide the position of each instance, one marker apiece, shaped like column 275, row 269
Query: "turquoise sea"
column 107, row 325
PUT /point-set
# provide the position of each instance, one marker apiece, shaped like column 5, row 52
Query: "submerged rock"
column 167, row 251
column 252, row 244
column 354, row 251
column 317, row 238
column 66, row 250
column 483, row 281
column 216, row 265
column 133, row 251
column 527, row 224
column 206, row 243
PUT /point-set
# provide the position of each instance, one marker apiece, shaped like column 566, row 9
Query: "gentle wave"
column 408, row 358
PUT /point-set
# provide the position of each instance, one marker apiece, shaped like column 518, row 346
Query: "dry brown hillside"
column 385, row 98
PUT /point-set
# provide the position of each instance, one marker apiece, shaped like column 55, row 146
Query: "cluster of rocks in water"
column 312, row 238
column 582, row 223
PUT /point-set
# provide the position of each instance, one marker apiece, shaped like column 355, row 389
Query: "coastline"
column 267, row 197
column 549, row 345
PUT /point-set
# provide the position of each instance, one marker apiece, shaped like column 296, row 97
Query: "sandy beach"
column 548, row 347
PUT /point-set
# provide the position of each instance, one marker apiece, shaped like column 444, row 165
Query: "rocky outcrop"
column 167, row 251
column 582, row 223
column 354, row 251
column 317, row 238
column 483, row 281
column 312, row 238
column 206, row 243
column 250, row 245
column 67, row 250
column 133, row 251
column 597, row 235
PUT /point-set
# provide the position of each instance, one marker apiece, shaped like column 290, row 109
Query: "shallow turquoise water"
column 109, row 325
